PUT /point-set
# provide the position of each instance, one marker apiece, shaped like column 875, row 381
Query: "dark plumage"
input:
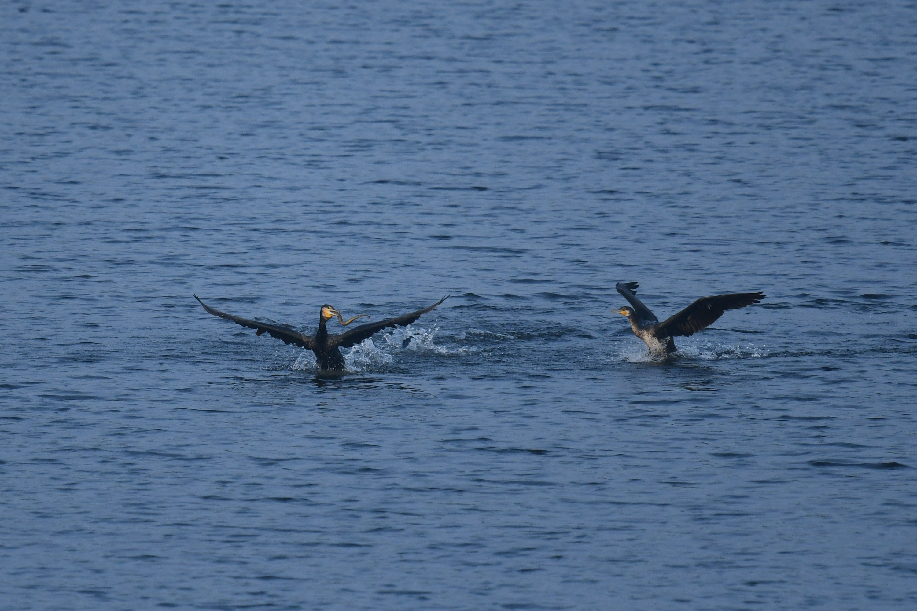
column 697, row 316
column 325, row 345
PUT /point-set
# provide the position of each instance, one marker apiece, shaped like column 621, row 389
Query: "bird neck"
column 634, row 323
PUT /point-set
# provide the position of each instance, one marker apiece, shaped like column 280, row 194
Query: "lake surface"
column 515, row 448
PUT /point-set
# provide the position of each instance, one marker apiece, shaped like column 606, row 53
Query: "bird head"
column 625, row 311
column 327, row 313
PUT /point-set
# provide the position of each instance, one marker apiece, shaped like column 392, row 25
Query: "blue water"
column 515, row 448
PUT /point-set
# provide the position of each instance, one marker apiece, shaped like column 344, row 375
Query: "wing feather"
column 283, row 333
column 704, row 312
column 358, row 334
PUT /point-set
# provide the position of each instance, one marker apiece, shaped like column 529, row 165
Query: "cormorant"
column 697, row 316
column 324, row 345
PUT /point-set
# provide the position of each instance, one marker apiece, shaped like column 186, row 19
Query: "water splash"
column 709, row 351
column 633, row 353
column 380, row 351
column 717, row 351
column 365, row 356
column 305, row 361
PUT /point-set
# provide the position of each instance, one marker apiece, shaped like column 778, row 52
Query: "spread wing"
column 358, row 334
column 628, row 290
column 703, row 312
column 284, row 333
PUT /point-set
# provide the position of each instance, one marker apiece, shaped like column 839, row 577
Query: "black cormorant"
column 323, row 344
column 699, row 315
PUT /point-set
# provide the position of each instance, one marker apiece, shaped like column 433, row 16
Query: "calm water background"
column 521, row 451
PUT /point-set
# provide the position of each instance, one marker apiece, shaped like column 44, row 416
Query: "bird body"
column 658, row 336
column 324, row 345
column 327, row 355
column 659, row 345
